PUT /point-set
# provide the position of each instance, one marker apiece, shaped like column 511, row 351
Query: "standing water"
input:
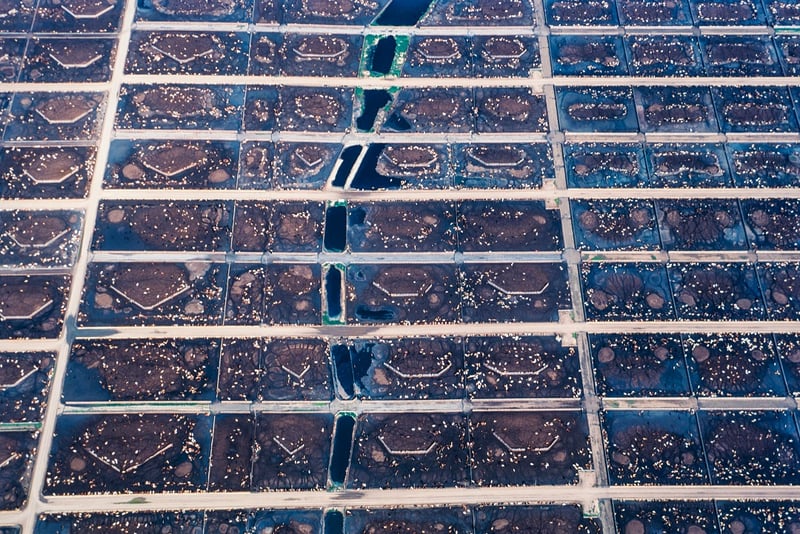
column 335, row 228
column 383, row 55
column 342, row 445
column 343, row 370
column 334, row 522
column 333, row 292
column 403, row 12
column 348, row 157
column 374, row 100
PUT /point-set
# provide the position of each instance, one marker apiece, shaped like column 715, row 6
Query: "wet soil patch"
column 716, row 291
column 701, row 225
column 514, row 292
column 508, row 225
column 231, row 453
column 409, row 450
column 662, row 516
column 528, row 448
column 742, row 365
column 756, row 448
column 402, row 226
column 293, row 451
column 153, row 293
column 615, row 224
column 173, row 226
column 657, row 448
column 525, row 367
column 413, row 368
column 774, row 223
column 128, row 453
column 639, row 365
column 419, row 294
column 32, row 306
column 147, row 370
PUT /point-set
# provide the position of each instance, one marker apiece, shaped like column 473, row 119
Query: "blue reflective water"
column 364, row 313
column 403, row 13
column 348, row 157
column 374, row 100
column 383, row 55
column 333, row 292
column 361, row 360
column 343, row 370
column 367, row 177
column 334, row 522
column 397, row 123
column 342, row 444
column 335, row 228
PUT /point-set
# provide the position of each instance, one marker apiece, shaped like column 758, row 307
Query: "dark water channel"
column 343, row 369
column 367, row 177
column 374, row 100
column 336, row 228
column 383, row 55
column 362, row 361
column 334, row 522
column 403, row 12
column 333, row 292
column 342, row 445
column 348, row 157
column 397, row 123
